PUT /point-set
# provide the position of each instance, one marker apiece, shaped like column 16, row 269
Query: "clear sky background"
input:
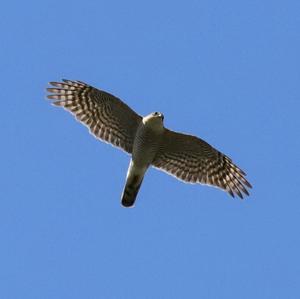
column 227, row 71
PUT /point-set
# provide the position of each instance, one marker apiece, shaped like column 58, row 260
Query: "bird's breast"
column 146, row 145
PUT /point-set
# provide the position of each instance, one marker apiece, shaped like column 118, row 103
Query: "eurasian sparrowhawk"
column 186, row 157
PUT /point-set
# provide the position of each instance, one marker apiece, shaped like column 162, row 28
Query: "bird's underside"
column 186, row 157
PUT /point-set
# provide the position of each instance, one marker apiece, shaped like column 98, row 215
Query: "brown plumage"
column 186, row 157
column 192, row 160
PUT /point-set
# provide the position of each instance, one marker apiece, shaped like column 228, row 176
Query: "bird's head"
column 155, row 119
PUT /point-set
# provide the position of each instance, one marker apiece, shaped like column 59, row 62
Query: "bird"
column 186, row 157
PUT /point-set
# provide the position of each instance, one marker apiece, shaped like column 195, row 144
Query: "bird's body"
column 186, row 157
column 145, row 147
column 147, row 139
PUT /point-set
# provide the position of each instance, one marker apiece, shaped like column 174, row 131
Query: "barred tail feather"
column 131, row 190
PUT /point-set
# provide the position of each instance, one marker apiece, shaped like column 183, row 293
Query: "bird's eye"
column 155, row 113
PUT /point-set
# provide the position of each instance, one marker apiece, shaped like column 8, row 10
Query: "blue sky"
column 227, row 71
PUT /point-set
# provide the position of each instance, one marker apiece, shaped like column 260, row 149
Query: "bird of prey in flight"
column 149, row 143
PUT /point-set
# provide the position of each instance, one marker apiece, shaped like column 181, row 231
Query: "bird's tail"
column 132, row 186
column 131, row 189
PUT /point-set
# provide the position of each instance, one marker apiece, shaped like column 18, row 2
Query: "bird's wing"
column 192, row 160
column 106, row 116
